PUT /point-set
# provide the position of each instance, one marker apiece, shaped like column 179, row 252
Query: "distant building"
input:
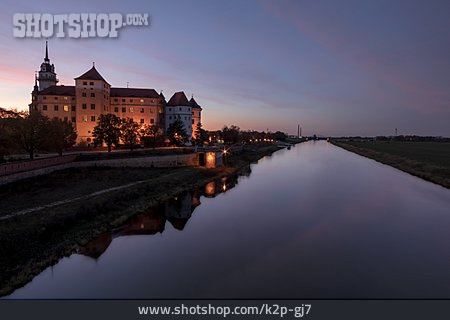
column 196, row 115
column 93, row 96
column 179, row 108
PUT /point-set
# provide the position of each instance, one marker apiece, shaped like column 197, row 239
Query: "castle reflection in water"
column 176, row 211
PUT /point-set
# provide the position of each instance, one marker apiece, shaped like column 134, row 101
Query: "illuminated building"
column 92, row 96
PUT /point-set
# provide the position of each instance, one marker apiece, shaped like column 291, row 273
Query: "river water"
column 315, row 221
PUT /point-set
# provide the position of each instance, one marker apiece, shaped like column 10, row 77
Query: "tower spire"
column 46, row 51
column 47, row 75
column 36, row 88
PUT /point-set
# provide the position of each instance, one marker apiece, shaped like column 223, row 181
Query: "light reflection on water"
column 312, row 222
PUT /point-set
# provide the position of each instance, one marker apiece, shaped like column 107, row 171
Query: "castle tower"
column 47, row 75
column 196, row 115
column 92, row 94
column 179, row 107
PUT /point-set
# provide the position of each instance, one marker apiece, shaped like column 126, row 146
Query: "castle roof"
column 91, row 74
column 134, row 92
column 58, row 91
column 194, row 104
column 178, row 99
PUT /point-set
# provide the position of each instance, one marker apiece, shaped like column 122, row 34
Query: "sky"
column 337, row 68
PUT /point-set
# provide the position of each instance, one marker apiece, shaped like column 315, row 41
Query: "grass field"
column 31, row 242
column 427, row 160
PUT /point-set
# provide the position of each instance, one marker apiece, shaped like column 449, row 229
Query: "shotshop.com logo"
column 75, row 25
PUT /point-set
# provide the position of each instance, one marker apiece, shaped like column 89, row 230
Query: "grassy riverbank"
column 427, row 160
column 31, row 242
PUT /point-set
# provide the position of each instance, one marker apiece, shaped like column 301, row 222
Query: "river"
column 315, row 221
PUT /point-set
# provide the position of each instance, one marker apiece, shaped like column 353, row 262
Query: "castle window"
column 84, row 106
column 181, row 109
column 74, row 119
column 116, row 100
column 192, row 121
column 124, row 110
column 152, row 120
column 152, row 110
column 56, row 98
column 84, row 83
column 93, row 106
column 142, row 120
column 170, row 117
column 142, row 100
column 73, row 98
column 65, row 98
column 92, row 94
column 123, row 100
column 45, row 98
column 131, row 100
column 189, row 109
column 88, row 139
column 66, row 119
column 131, row 110
column 66, row 108
column 91, row 83
column 116, row 109
column 142, row 110
column 73, row 108
column 84, row 118
column 83, row 94
column 44, row 107
column 56, row 107
column 170, row 109
column 93, row 118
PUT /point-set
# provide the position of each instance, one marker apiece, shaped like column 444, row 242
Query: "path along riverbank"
column 64, row 210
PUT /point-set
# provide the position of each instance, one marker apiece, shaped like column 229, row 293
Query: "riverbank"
column 427, row 160
column 33, row 241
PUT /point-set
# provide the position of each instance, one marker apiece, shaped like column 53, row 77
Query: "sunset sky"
column 336, row 67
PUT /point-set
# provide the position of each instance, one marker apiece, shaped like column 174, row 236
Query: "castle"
column 92, row 96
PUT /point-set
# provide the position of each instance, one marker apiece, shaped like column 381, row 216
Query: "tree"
column 29, row 132
column 8, row 121
column 200, row 134
column 231, row 135
column 176, row 133
column 107, row 131
column 59, row 135
column 153, row 131
column 130, row 132
column 280, row 136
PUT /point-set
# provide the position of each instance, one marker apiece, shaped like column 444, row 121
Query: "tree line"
column 234, row 135
column 32, row 131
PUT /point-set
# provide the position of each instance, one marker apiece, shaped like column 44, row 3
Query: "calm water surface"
column 312, row 222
